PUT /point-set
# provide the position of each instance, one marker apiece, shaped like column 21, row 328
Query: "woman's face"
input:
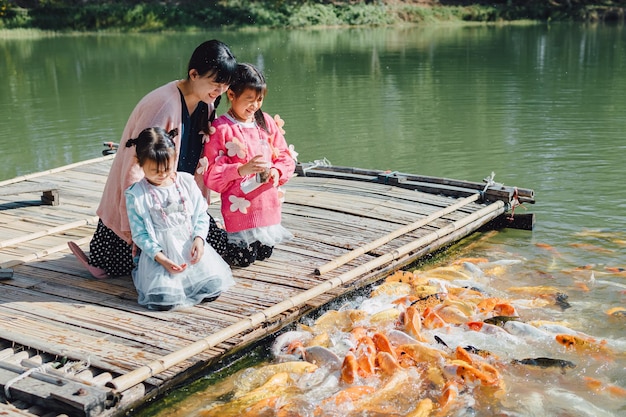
column 205, row 87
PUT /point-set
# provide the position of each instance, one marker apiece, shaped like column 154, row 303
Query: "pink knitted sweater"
column 231, row 145
column 163, row 108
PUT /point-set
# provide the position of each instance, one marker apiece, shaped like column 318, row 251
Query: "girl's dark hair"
column 155, row 144
column 213, row 58
column 249, row 77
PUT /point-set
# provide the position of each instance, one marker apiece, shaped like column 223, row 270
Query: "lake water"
column 541, row 106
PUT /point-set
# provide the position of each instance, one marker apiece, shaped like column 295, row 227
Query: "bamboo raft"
column 76, row 346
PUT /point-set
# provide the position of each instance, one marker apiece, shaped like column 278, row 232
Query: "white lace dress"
column 167, row 218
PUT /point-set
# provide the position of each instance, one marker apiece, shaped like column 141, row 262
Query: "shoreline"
column 67, row 18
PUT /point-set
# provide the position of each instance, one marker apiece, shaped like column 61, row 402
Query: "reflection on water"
column 485, row 331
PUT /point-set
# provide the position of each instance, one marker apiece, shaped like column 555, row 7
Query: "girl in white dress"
column 169, row 222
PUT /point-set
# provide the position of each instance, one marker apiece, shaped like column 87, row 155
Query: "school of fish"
column 436, row 342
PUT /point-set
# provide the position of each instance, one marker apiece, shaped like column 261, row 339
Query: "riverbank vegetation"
column 153, row 15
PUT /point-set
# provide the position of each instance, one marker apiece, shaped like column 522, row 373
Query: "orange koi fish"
column 449, row 394
column 387, row 363
column 432, row 320
column 617, row 312
column 469, row 373
column 600, row 387
column 616, row 270
column 382, row 344
column 350, row 394
column 423, row 409
column 349, row 368
column 582, row 344
column 412, row 323
column 590, row 247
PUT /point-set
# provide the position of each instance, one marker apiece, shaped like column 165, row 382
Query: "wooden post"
column 6, row 273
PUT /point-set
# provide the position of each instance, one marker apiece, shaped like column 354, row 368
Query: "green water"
column 541, row 106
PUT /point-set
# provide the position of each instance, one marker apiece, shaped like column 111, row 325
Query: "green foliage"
column 314, row 15
column 12, row 17
column 365, row 15
column 482, row 14
column 158, row 15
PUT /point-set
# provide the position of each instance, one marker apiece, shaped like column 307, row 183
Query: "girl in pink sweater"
column 248, row 161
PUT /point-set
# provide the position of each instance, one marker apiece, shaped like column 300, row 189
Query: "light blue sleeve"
column 138, row 218
column 199, row 218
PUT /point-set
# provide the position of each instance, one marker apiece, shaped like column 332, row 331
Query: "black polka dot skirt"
column 110, row 252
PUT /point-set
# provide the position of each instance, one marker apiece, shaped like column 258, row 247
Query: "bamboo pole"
column 347, row 257
column 54, row 170
column 139, row 375
column 53, row 230
column 41, row 254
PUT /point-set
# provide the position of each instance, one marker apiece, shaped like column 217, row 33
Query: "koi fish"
column 342, row 320
column 581, row 344
column 392, row 288
column 601, row 387
column 427, row 301
column 401, row 276
column 526, row 331
column 447, row 273
column 423, row 409
column 469, row 373
column 322, row 357
column 590, row 247
column 546, row 363
column 421, row 352
column 617, row 312
column 349, row 368
column 500, row 320
column 276, row 385
column 257, row 376
column 616, row 270
column 284, row 346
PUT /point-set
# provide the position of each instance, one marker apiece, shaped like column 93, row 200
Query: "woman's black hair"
column 249, row 77
column 155, row 144
column 213, row 58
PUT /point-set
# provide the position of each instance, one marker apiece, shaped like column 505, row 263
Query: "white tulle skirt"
column 268, row 235
column 158, row 289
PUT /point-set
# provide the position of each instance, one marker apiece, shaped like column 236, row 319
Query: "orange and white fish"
column 582, row 344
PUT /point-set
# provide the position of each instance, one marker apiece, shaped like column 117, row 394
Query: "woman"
column 187, row 105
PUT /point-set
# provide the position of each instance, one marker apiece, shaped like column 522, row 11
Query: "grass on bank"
column 57, row 15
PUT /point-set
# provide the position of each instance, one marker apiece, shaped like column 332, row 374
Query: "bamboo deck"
column 352, row 227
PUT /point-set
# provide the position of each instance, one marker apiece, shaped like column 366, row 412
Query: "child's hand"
column 197, row 250
column 171, row 266
column 256, row 164
column 174, row 268
column 274, row 176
